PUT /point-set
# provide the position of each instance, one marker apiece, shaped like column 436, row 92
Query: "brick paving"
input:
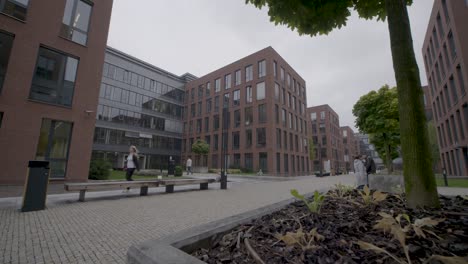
column 102, row 230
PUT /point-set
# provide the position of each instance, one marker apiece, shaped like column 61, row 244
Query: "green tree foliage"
column 200, row 147
column 377, row 114
column 311, row 149
column 312, row 17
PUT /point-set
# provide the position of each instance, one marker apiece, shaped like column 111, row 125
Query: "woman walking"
column 131, row 164
column 360, row 172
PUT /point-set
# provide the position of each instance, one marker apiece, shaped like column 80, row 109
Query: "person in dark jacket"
column 370, row 167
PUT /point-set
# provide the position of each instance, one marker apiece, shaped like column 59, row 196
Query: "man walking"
column 370, row 167
column 188, row 164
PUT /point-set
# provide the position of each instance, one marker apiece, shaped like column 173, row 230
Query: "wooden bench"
column 170, row 183
column 143, row 185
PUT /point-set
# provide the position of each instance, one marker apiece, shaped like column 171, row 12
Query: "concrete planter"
column 387, row 183
column 176, row 248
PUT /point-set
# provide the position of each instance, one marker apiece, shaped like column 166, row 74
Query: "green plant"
column 99, row 169
column 315, row 205
column 376, row 197
column 341, row 190
column 178, row 171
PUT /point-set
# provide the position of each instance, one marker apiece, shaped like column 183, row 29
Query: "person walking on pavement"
column 189, row 166
column 370, row 167
column 131, row 164
column 360, row 172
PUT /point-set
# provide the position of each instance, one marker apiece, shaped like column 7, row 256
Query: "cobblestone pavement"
column 101, row 230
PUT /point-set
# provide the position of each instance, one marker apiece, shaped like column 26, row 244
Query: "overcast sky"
column 199, row 36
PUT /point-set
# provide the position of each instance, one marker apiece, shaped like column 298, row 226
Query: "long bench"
column 143, row 185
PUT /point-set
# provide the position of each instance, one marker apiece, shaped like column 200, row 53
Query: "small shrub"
column 246, row 170
column 234, row 171
column 212, row 170
column 99, row 170
column 313, row 206
column 178, row 171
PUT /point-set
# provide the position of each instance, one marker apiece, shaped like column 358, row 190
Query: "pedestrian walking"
column 360, row 172
column 370, row 167
column 131, row 164
column 188, row 165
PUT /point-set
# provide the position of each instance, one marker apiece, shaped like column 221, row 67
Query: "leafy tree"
column 377, row 114
column 314, row 17
column 200, row 147
column 311, row 149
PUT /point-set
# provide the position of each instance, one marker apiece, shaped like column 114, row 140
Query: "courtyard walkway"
column 102, row 229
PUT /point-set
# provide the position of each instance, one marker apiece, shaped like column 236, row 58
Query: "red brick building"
column 323, row 124
column 263, row 101
column 445, row 53
column 51, row 59
column 350, row 144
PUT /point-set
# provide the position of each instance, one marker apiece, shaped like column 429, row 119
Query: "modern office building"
column 324, row 128
column 349, row 147
column 263, row 100
column 141, row 105
column 445, row 52
column 51, row 58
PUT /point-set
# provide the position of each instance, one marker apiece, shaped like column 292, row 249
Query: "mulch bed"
column 343, row 222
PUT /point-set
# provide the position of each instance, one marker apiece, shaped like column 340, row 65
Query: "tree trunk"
column 420, row 185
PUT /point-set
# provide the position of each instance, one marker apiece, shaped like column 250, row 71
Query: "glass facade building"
column 141, row 105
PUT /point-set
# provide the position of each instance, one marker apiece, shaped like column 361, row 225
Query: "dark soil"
column 343, row 222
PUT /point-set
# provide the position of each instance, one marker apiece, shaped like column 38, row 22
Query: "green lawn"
column 453, row 182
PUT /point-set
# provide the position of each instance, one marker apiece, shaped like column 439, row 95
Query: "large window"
column 263, row 161
column 248, row 116
column 277, row 92
column 54, row 79
column 248, row 162
column 261, row 91
column 6, row 42
column 76, row 20
column 216, row 104
column 53, row 145
column 235, row 140
column 461, row 81
column 261, row 137
column 262, row 115
column 451, row 41
column 261, row 68
column 208, row 88
column 248, row 94
column 236, row 97
column 217, row 85
column 237, row 118
column 227, row 81
column 237, row 78
column 248, row 73
column 248, row 138
column 215, row 122
column 275, row 69
column 15, row 8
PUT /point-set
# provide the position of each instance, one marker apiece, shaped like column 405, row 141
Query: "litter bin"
column 35, row 189
column 171, row 167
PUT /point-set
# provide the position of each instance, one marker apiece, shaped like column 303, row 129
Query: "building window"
column 199, row 125
column 322, row 115
column 459, row 121
column 215, row 122
column 290, row 121
column 248, row 138
column 289, row 99
column 261, row 68
column 291, row 143
column 208, row 89
column 54, row 79
column 76, row 21
column 227, row 81
column 248, row 116
column 442, row 65
column 235, row 140
column 444, row 6
column 237, row 160
column 285, row 138
column 200, row 91
column 263, row 161
column 216, row 104
column 283, row 117
column 248, row 73
column 278, row 162
column 275, row 69
column 461, row 81
column 248, row 162
column 199, row 108
column 447, row 97
column 277, row 92
column 261, row 137
column 237, row 78
column 208, row 105
column 1, row 119
column 192, row 110
column 282, row 74
column 262, row 115
column 286, row 163
column 236, row 97
column 447, row 60
column 313, row 116
column 248, row 94
column 15, row 8
column 6, row 42
column 207, row 124
column 278, row 138
column 451, row 41
column 237, row 118
column 215, row 142
column 436, row 39
column 453, row 90
column 440, row 27
column 217, row 85
column 53, row 145
column 277, row 114
column 261, row 91
column 226, row 100
column 288, row 80
column 191, row 127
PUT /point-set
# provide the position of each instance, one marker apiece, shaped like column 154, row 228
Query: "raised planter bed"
column 341, row 225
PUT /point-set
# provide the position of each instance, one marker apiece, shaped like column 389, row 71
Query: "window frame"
column 71, row 28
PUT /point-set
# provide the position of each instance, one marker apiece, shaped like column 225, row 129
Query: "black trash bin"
column 171, row 167
column 35, row 190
